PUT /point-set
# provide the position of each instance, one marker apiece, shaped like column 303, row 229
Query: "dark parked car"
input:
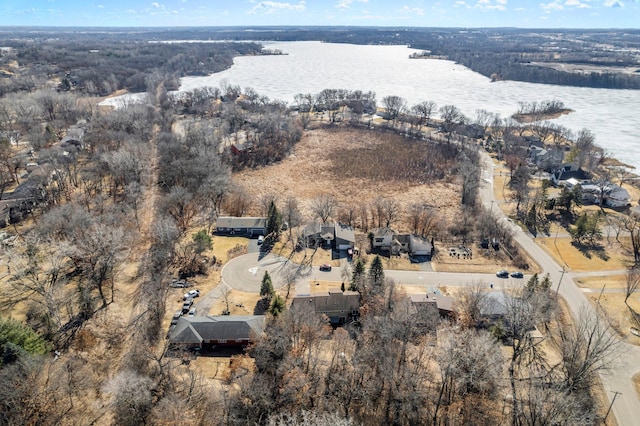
column 325, row 267
column 517, row 274
column 502, row 274
column 186, row 306
column 176, row 317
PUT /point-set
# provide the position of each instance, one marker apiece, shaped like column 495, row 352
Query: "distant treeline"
column 500, row 54
column 103, row 66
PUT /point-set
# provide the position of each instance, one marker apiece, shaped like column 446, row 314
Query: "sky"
column 409, row 13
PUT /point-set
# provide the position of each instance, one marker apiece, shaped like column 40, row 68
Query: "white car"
column 192, row 312
column 191, row 294
column 260, row 239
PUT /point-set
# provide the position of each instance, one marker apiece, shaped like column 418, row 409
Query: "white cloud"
column 412, row 10
column 274, row 6
column 346, row 4
column 156, row 5
column 491, row 5
column 459, row 3
column 577, row 3
column 554, row 5
column 100, row 6
column 613, row 3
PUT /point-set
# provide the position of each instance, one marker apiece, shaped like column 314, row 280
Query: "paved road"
column 245, row 273
column 618, row 378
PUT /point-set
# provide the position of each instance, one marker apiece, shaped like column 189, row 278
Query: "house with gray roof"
column 209, row 331
column 243, row 226
column 336, row 236
column 340, row 307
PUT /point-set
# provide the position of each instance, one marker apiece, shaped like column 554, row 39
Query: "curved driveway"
column 245, row 273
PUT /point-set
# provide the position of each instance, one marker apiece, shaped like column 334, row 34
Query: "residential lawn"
column 240, row 303
column 611, row 258
column 319, row 286
column 610, row 282
column 618, row 314
column 222, row 245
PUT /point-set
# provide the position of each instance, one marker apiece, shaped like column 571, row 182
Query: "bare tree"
column 471, row 302
column 387, row 211
column 587, row 348
column 451, row 117
column 394, row 106
column 424, row 110
column 324, row 206
column 38, row 276
column 423, row 219
column 632, row 282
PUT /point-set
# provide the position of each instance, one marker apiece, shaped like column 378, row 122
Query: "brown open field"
column 324, row 162
column 357, row 167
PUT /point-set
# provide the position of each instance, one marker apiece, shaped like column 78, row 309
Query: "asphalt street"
column 245, row 273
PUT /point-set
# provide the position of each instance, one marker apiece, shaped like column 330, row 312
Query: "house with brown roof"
column 340, row 307
column 210, row 331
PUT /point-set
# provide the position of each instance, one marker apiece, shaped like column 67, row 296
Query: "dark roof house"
column 241, row 225
column 336, row 235
column 340, row 307
column 227, row 330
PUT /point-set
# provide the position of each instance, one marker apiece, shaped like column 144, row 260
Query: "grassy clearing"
column 611, row 258
column 240, row 303
column 222, row 245
column 617, row 313
column 610, row 282
column 323, row 162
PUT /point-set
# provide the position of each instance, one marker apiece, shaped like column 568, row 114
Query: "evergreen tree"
column 17, row 338
column 277, row 305
column 376, row 271
column 533, row 283
column 545, row 284
column 274, row 222
column 358, row 275
column 202, row 241
column 266, row 288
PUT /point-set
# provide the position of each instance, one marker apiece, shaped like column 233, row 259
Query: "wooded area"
column 121, row 201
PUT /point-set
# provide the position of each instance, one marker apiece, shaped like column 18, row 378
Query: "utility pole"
column 615, row 395
column 601, row 291
column 560, row 282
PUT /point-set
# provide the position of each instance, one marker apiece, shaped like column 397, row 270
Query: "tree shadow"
column 261, row 307
column 591, row 250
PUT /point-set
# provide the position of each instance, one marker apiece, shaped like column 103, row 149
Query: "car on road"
column 502, row 274
column 192, row 312
column 260, row 239
column 191, row 294
column 517, row 274
column 325, row 267
column 186, row 306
